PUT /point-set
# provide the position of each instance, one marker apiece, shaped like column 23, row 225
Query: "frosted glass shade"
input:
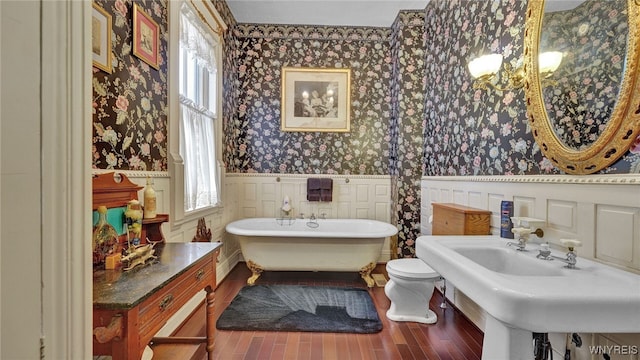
column 485, row 65
column 549, row 61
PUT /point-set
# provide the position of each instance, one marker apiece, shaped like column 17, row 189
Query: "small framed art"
column 146, row 37
column 315, row 99
column 101, row 38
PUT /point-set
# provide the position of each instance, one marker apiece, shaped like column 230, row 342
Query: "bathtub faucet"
column 313, row 222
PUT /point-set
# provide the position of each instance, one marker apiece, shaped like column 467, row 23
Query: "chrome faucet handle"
column 323, row 216
column 522, row 235
column 301, row 215
column 544, row 252
column 313, row 216
column 570, row 244
column 572, row 257
column 521, row 232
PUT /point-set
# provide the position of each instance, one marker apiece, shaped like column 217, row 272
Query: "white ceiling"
column 377, row 13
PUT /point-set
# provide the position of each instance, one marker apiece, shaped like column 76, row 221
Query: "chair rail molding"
column 622, row 179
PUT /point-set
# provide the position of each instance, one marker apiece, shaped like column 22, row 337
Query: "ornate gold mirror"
column 585, row 113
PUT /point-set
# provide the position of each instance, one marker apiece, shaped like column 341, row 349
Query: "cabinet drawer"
column 454, row 219
column 158, row 308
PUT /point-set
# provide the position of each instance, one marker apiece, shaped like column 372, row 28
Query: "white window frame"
column 213, row 20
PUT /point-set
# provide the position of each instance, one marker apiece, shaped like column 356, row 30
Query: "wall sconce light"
column 548, row 62
column 484, row 70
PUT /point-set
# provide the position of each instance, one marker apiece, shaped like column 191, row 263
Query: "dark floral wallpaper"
column 480, row 132
column 230, row 60
column 130, row 104
column 586, row 84
column 254, row 142
column 468, row 131
column 407, row 54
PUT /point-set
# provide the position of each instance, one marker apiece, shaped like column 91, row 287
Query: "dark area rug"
column 301, row 308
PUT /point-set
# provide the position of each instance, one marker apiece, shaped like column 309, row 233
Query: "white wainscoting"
column 261, row 195
column 354, row 197
column 602, row 211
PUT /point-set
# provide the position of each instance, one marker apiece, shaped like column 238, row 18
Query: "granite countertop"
column 117, row 289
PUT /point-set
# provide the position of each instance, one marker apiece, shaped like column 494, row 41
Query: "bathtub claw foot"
column 256, row 270
column 365, row 273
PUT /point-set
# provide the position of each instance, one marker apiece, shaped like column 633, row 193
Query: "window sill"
column 195, row 215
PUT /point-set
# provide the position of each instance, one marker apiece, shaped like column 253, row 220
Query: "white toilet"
column 410, row 287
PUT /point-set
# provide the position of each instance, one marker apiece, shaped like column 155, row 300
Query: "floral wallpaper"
column 253, row 140
column 130, row 104
column 480, row 132
column 469, row 131
column 230, row 60
column 407, row 53
column 586, row 84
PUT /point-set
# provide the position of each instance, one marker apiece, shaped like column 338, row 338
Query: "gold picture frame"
column 146, row 37
column 101, row 38
column 315, row 99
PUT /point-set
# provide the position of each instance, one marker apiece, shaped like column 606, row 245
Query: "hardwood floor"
column 452, row 337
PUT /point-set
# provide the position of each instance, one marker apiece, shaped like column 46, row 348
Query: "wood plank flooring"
column 453, row 337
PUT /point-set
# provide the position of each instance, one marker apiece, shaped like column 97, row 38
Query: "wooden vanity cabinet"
column 454, row 219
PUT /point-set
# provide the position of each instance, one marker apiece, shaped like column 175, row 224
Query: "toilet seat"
column 410, row 268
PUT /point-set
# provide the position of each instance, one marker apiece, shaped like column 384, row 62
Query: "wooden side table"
column 454, row 219
column 130, row 307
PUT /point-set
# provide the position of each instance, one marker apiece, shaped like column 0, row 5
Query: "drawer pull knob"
column 166, row 301
column 199, row 274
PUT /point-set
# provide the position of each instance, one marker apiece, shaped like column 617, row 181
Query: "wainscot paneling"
column 354, row 196
column 602, row 211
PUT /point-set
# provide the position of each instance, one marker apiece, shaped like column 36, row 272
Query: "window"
column 198, row 103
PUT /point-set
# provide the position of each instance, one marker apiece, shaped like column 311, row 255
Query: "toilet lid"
column 411, row 268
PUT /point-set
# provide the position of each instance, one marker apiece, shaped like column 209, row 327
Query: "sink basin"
column 523, row 294
column 506, row 261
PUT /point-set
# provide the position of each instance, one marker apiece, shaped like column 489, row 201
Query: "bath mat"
column 301, row 308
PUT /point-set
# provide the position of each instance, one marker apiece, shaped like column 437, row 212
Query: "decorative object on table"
column 146, row 39
column 315, row 99
column 138, row 255
column 133, row 219
column 301, row 308
column 149, row 200
column 101, row 38
column 105, row 238
column 203, row 234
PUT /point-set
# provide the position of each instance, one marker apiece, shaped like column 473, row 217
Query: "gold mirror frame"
column 622, row 128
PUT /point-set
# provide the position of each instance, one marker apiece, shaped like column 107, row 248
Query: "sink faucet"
column 522, row 233
column 571, row 258
column 313, row 221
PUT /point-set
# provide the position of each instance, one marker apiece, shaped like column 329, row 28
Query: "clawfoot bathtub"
column 270, row 244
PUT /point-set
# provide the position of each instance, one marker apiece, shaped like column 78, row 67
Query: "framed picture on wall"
column 315, row 99
column 101, row 38
column 146, row 37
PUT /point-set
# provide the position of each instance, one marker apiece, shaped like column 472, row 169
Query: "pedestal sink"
column 522, row 294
